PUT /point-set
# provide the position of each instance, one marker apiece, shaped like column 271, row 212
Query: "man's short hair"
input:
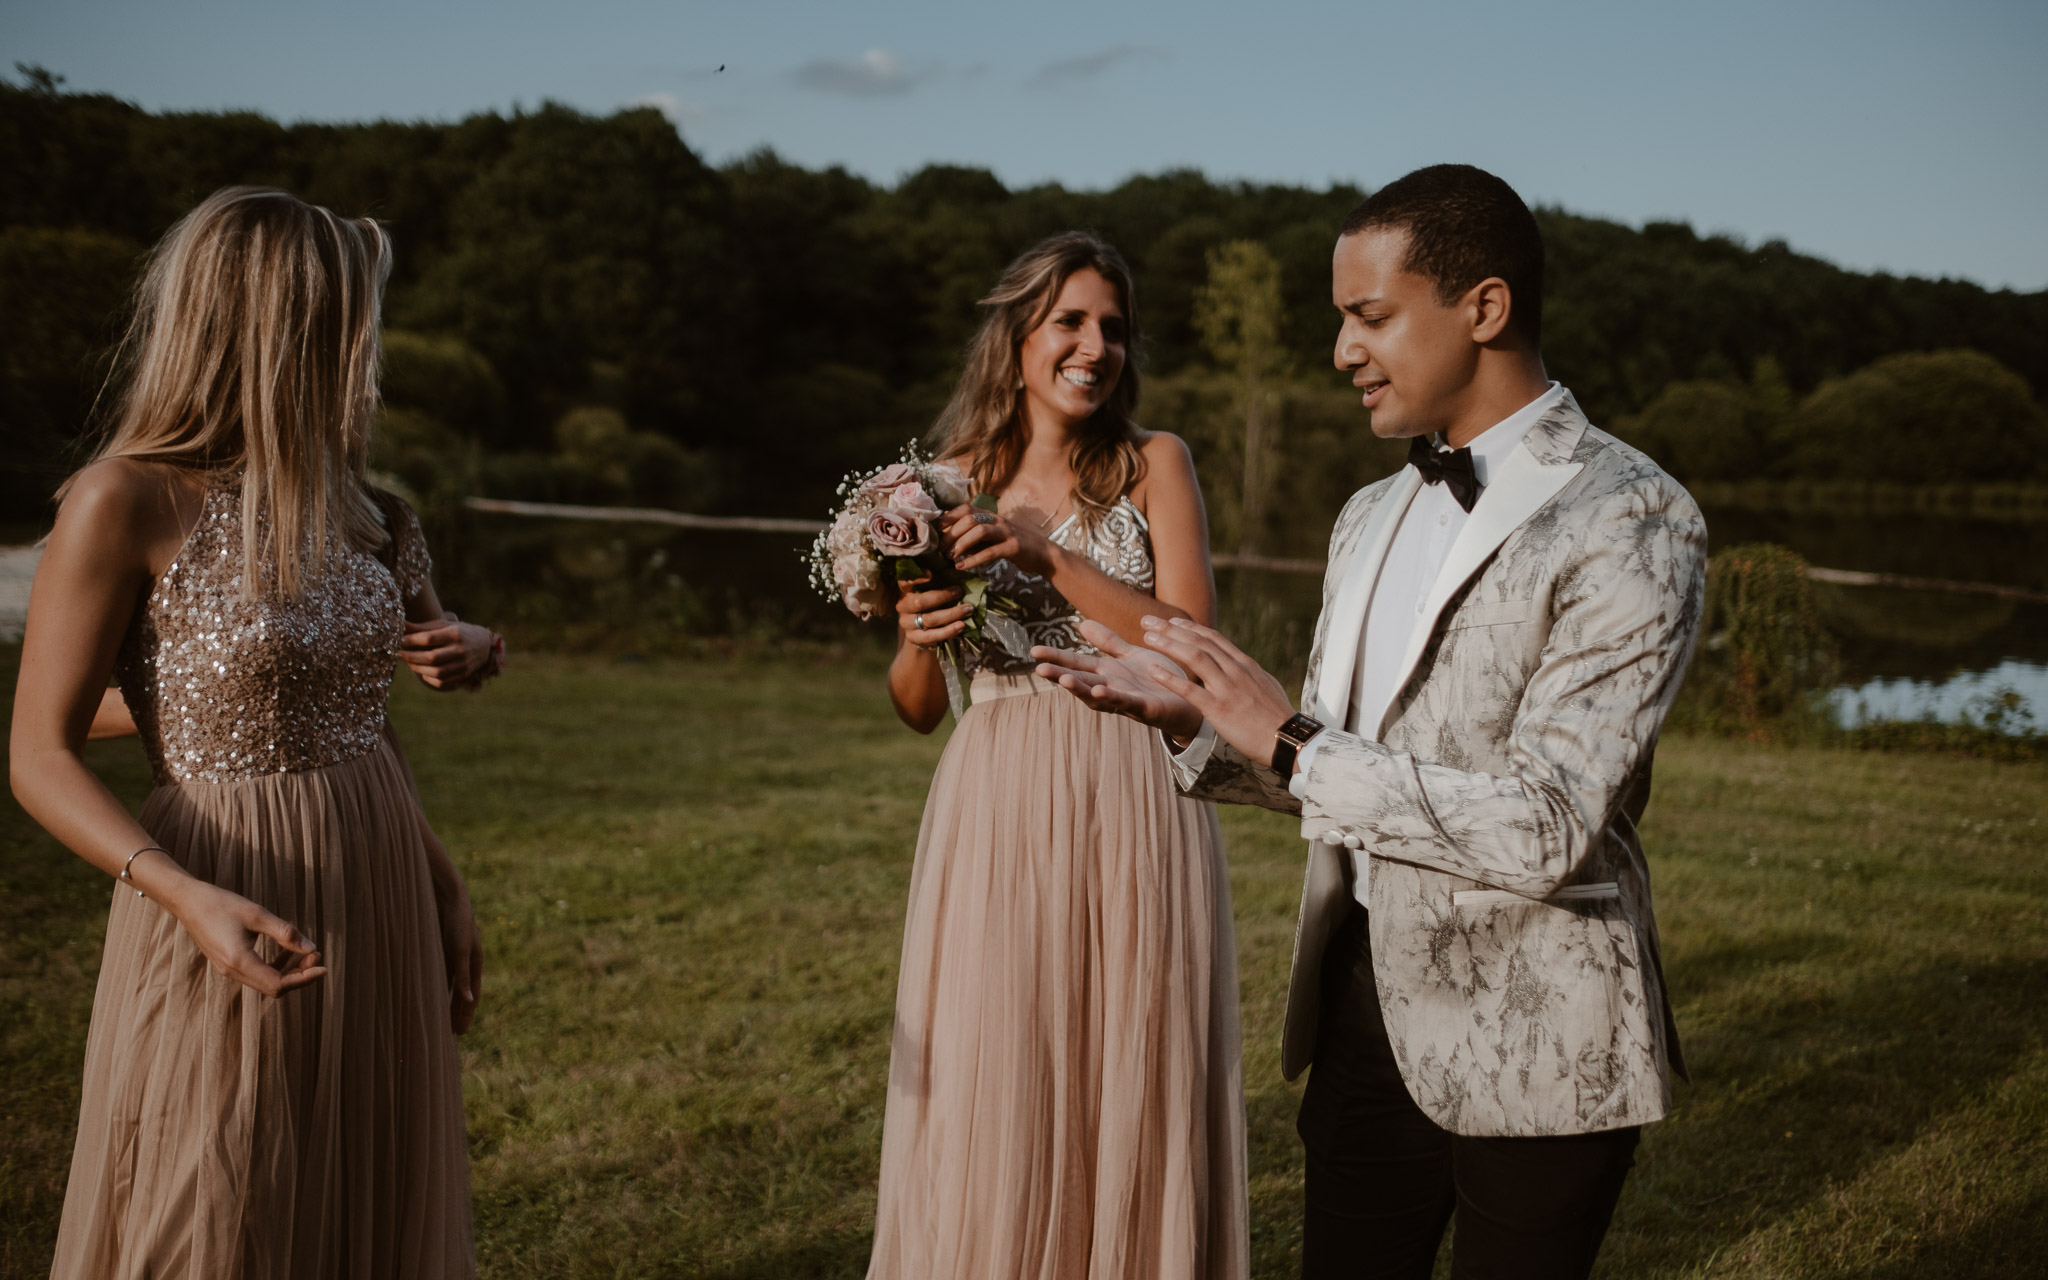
column 1464, row 225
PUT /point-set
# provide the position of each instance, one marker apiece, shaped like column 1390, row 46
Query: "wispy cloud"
column 1087, row 66
column 874, row 74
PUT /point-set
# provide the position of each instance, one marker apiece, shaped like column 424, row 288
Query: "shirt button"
column 1442, row 520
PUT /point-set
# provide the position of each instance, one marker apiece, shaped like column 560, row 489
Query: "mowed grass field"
column 691, row 876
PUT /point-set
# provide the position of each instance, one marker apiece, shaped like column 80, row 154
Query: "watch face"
column 1299, row 729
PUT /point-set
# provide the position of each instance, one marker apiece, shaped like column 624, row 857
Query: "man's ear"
column 1491, row 306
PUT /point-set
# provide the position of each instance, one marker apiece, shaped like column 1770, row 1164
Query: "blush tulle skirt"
column 1065, row 1086
column 224, row 1135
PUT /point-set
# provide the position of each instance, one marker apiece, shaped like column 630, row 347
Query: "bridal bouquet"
column 888, row 524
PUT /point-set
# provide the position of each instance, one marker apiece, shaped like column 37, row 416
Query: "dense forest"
column 582, row 308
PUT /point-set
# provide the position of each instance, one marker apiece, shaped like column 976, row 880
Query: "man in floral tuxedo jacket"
column 1505, row 623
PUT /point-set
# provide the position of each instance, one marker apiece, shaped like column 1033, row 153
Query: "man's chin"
column 1388, row 427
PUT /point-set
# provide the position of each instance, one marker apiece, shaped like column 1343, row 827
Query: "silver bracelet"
column 127, row 879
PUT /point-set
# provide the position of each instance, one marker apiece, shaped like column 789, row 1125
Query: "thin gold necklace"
column 1047, row 522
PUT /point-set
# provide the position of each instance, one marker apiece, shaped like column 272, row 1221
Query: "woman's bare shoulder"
column 131, row 500
column 1167, row 463
column 1161, row 446
column 118, row 486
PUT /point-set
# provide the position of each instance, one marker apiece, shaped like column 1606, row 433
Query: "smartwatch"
column 1290, row 738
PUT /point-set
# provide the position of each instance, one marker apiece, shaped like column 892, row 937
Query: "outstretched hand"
column 1121, row 679
column 1244, row 703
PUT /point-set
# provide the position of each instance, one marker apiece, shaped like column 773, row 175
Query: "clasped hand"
column 928, row 618
column 448, row 654
column 976, row 539
column 1186, row 673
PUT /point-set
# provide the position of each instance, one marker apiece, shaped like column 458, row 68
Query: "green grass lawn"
column 691, row 878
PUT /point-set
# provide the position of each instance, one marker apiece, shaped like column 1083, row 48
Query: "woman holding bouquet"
column 1065, row 1091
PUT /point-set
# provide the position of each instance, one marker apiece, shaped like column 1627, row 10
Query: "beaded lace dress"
column 1119, row 543
column 1065, row 1087
column 222, row 1133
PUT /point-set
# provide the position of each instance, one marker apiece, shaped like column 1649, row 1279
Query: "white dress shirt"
column 1422, row 541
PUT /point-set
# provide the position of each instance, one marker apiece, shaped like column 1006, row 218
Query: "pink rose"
column 890, row 477
column 899, row 533
column 912, row 498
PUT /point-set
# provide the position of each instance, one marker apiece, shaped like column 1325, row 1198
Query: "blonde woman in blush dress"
column 1065, row 1091
column 271, row 1087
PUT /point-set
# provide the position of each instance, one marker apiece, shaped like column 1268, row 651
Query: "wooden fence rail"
column 1262, row 564
column 645, row 515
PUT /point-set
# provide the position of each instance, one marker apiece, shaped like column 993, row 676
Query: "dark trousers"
column 1383, row 1180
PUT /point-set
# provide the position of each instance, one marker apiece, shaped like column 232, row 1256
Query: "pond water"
column 1908, row 655
column 1905, row 654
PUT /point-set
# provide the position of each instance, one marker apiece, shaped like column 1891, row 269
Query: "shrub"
column 444, row 378
column 1714, row 429
column 645, row 468
column 431, row 462
column 1764, row 660
column 1930, row 417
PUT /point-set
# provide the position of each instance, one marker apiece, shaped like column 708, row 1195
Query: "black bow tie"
column 1448, row 467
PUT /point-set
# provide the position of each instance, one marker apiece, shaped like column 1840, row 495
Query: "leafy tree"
column 583, row 240
column 61, row 305
column 784, row 323
column 1238, row 312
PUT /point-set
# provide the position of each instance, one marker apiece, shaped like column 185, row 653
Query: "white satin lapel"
column 1518, row 491
column 1347, row 612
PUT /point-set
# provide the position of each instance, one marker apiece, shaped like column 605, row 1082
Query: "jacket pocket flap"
column 1570, row 893
column 1495, row 614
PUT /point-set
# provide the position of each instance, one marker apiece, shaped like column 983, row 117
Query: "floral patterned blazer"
column 1512, row 935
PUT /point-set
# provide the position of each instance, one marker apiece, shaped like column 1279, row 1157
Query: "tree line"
column 583, row 308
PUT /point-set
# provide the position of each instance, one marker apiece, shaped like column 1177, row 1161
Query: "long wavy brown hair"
column 984, row 422
column 253, row 349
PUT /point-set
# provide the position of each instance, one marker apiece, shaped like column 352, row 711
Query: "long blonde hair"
column 253, row 347
column 984, row 421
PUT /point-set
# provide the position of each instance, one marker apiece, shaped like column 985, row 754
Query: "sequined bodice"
column 225, row 688
column 1120, row 544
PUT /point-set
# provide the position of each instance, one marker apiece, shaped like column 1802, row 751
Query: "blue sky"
column 1906, row 137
